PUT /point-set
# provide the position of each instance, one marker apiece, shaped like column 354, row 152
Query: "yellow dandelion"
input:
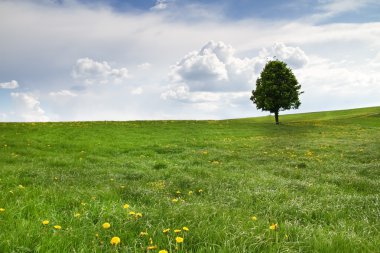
column 126, row 206
column 152, row 247
column 58, row 227
column 106, row 225
column 254, row 218
column 163, row 251
column 177, row 230
column 45, row 222
column 165, row 231
column 143, row 233
column 138, row 215
column 185, row 229
column 274, row 226
column 2, row 210
column 115, row 240
column 76, row 215
column 179, row 239
column 132, row 213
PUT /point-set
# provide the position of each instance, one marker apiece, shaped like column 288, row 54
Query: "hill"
column 310, row 184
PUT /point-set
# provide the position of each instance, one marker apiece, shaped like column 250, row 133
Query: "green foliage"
column 317, row 176
column 277, row 89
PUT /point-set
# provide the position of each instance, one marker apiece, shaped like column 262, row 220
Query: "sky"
column 84, row 60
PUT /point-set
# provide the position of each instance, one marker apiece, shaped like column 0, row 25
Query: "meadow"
column 311, row 184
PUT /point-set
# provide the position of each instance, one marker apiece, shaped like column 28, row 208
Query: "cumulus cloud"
column 293, row 56
column 9, row 85
column 28, row 107
column 63, row 93
column 215, row 74
column 91, row 72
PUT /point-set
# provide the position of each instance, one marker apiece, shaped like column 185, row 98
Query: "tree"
column 277, row 89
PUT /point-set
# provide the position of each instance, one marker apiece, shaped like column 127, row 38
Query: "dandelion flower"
column 179, row 239
column 163, row 251
column 2, row 210
column 126, row 206
column 254, row 218
column 166, row 230
column 45, row 222
column 273, row 226
column 152, row 247
column 58, row 227
column 106, row 225
column 115, row 240
column 185, row 229
column 177, row 230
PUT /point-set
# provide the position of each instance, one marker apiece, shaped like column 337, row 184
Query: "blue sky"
column 181, row 59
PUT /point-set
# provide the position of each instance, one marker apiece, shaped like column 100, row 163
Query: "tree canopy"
column 277, row 89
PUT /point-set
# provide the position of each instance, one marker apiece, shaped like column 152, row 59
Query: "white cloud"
column 9, row 85
column 160, row 5
column 27, row 107
column 63, row 93
column 144, row 66
column 293, row 56
column 137, row 91
column 91, row 71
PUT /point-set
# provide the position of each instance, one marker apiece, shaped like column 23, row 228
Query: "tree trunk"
column 276, row 117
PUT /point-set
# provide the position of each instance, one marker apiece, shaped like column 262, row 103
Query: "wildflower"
column 175, row 200
column 152, row 247
column 179, row 239
column 45, row 222
column 76, row 215
column 273, row 226
column 185, row 229
column 106, row 225
column 165, row 231
column 138, row 215
column 163, row 251
column 58, row 227
column 2, row 210
column 126, row 206
column 115, row 240
column 254, row 218
column 177, row 231
column 143, row 233
column 190, row 192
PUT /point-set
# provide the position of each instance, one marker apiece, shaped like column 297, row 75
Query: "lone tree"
column 277, row 89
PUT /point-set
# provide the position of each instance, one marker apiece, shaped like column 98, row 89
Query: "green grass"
column 316, row 175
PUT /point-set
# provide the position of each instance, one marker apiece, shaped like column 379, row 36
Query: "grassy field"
column 311, row 184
